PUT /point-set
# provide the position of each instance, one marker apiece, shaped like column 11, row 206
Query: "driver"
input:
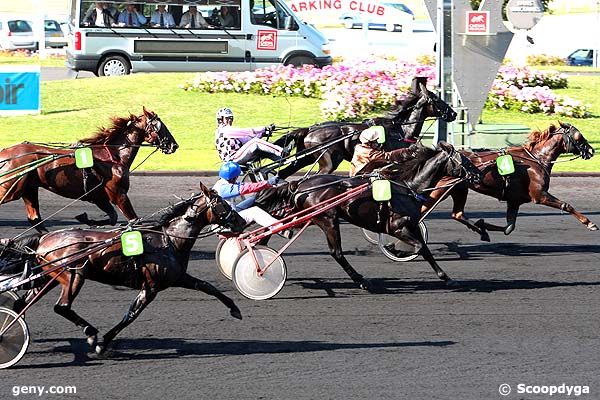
column 243, row 145
column 235, row 194
column 370, row 149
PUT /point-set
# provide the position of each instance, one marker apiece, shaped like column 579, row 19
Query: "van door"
column 271, row 40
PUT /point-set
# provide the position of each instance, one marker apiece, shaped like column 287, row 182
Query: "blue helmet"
column 230, row 170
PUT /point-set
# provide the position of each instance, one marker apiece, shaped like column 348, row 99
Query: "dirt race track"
column 527, row 312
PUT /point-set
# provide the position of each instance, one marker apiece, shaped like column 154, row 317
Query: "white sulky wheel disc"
column 227, row 252
column 371, row 237
column 7, row 299
column 402, row 251
column 247, row 280
column 14, row 342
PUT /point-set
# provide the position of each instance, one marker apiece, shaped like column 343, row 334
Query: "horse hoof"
column 592, row 226
column 92, row 341
column 485, row 237
column 236, row 314
column 82, row 218
column 366, row 285
column 100, row 349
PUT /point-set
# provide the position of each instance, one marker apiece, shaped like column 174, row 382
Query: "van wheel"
column 390, row 27
column 348, row 23
column 114, row 66
column 299, row 61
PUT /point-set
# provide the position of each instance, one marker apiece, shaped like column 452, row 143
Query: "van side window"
column 269, row 13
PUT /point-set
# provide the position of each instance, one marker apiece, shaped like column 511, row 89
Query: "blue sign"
column 19, row 89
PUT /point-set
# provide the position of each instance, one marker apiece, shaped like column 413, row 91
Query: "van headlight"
column 325, row 49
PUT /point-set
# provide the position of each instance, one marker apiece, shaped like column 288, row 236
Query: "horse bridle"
column 153, row 126
column 461, row 165
column 224, row 213
column 570, row 143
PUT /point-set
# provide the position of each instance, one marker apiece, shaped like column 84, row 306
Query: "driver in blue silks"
column 236, row 194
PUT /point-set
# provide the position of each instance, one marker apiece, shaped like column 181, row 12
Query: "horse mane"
column 401, row 106
column 276, row 199
column 103, row 135
column 405, row 168
column 536, row 137
column 179, row 208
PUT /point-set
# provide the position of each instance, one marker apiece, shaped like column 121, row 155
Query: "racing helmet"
column 369, row 135
column 224, row 113
column 230, row 170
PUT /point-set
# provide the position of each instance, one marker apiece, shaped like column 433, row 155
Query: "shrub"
column 545, row 59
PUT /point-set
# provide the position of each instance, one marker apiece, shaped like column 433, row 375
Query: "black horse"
column 403, row 125
column 96, row 255
column 398, row 218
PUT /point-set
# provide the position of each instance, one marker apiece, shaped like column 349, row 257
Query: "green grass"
column 583, row 88
column 567, row 68
column 73, row 109
column 20, row 58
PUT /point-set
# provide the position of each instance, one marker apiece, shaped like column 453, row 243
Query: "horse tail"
column 293, row 139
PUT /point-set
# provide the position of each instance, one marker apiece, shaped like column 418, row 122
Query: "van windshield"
column 268, row 12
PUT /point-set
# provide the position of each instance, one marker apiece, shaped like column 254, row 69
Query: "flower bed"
column 352, row 92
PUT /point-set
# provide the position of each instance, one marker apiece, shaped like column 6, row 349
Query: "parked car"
column 581, row 57
column 16, row 34
column 397, row 16
column 55, row 36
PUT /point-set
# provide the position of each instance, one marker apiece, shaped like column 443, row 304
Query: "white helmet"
column 372, row 134
column 224, row 113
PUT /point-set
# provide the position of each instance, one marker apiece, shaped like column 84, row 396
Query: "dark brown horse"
column 399, row 218
column 163, row 264
column 529, row 183
column 403, row 125
column 114, row 149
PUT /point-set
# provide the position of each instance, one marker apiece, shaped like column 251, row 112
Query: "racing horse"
column 529, row 183
column 97, row 255
column 410, row 174
column 403, row 125
column 26, row 167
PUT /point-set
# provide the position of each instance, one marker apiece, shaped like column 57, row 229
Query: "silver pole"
column 444, row 60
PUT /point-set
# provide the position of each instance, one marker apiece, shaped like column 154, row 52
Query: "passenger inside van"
column 192, row 19
column 99, row 15
column 131, row 17
column 161, row 18
column 226, row 19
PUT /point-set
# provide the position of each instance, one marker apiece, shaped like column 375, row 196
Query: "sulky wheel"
column 396, row 250
column 227, row 252
column 7, row 299
column 247, row 280
column 15, row 340
column 371, row 237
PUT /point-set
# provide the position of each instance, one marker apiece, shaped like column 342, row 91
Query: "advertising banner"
column 19, row 89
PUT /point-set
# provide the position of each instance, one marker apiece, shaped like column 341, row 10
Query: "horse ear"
column 422, row 87
column 146, row 111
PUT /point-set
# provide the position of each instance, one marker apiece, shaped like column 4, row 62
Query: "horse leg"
column 124, row 204
column 409, row 233
column 331, row 227
column 144, row 297
column 459, row 200
column 187, row 281
column 329, row 162
column 63, row 307
column 512, row 210
column 548, row 200
column 32, row 206
column 103, row 204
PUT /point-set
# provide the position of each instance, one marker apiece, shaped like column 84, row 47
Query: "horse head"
column 215, row 210
column 458, row 165
column 156, row 132
column 574, row 142
column 436, row 107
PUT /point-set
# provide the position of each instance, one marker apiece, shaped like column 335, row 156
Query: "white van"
column 259, row 33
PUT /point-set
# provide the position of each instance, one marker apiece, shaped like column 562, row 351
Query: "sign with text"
column 266, row 40
column 524, row 14
column 478, row 23
column 19, row 89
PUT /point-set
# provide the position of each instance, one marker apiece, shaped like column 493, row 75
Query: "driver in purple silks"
column 243, row 145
